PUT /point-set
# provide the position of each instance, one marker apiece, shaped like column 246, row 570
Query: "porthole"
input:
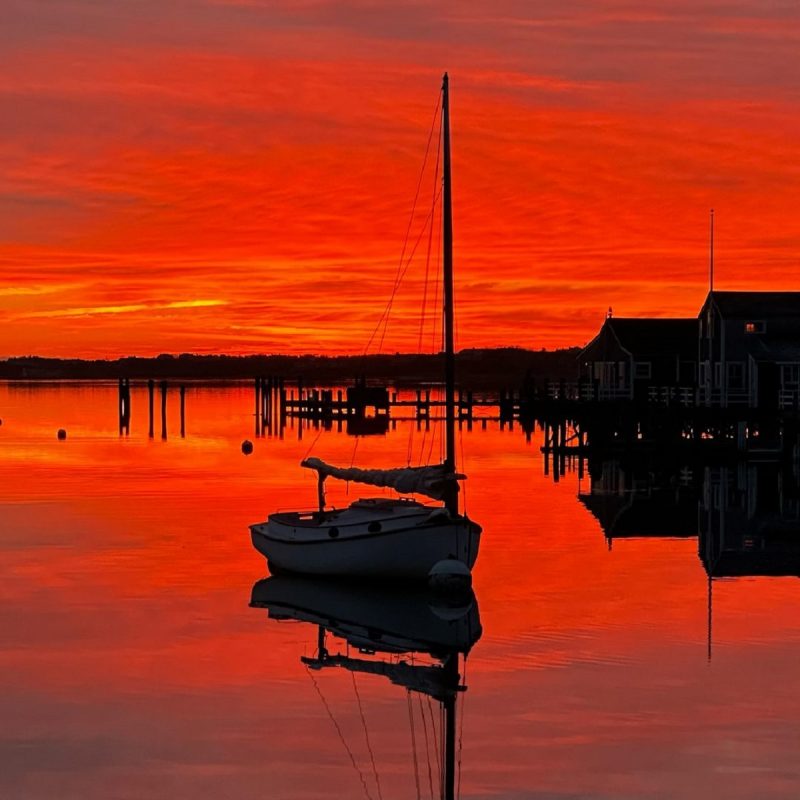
column 374, row 527
column 333, row 532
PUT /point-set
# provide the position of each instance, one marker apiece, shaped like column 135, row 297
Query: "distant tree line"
column 506, row 367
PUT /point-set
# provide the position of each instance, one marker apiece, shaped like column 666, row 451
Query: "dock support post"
column 151, row 386
column 163, row 409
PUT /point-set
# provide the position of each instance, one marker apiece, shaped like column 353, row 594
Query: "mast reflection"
column 383, row 623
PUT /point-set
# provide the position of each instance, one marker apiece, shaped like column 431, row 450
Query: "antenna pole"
column 711, row 255
column 710, row 619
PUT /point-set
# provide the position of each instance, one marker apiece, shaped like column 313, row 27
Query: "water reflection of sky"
column 134, row 667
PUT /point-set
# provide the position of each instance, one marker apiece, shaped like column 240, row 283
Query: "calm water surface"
column 133, row 666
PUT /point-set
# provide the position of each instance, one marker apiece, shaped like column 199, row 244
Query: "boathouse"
column 749, row 350
column 632, row 358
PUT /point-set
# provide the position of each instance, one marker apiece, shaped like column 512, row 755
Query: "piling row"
column 270, row 406
column 124, row 407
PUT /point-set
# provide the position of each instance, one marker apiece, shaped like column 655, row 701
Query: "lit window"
column 755, row 327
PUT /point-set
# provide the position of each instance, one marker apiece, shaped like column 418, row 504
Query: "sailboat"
column 396, row 538
column 389, row 625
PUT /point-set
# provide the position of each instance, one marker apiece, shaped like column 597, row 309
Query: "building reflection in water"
column 749, row 521
column 745, row 513
column 637, row 497
column 387, row 627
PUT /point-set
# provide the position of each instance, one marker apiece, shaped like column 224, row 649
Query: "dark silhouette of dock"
column 367, row 409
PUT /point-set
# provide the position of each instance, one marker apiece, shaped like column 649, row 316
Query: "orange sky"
column 237, row 175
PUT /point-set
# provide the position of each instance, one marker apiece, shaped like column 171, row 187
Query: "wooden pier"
column 667, row 422
column 574, row 419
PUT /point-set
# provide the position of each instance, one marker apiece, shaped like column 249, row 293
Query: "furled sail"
column 431, row 481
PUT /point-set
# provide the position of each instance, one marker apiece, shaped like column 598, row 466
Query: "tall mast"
column 451, row 499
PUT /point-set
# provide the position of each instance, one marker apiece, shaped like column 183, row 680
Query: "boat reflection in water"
column 386, row 625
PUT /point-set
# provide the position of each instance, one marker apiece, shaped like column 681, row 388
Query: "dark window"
column 735, row 375
column 643, row 369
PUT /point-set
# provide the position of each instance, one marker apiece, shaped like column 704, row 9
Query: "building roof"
column 654, row 337
column 777, row 351
column 644, row 338
column 760, row 305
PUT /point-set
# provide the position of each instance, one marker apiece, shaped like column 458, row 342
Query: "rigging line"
column 461, row 727
column 366, row 736
column 424, row 313
column 436, row 319
column 311, row 446
column 436, row 750
column 430, row 237
column 413, row 741
column 388, row 309
column 352, row 461
column 398, row 276
column 436, row 428
column 436, row 283
column 410, row 441
column 341, row 735
column 423, row 441
column 463, row 465
column 401, row 274
column 442, row 745
column 353, row 457
column 424, row 306
column 427, row 744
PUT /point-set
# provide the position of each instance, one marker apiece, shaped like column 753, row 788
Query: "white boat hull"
column 406, row 547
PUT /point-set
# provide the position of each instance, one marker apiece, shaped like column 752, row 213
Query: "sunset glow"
column 236, row 176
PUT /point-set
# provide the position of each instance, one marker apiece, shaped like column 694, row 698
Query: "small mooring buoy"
column 62, row 434
column 247, row 447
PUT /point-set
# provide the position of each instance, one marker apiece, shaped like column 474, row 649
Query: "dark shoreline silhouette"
column 477, row 368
